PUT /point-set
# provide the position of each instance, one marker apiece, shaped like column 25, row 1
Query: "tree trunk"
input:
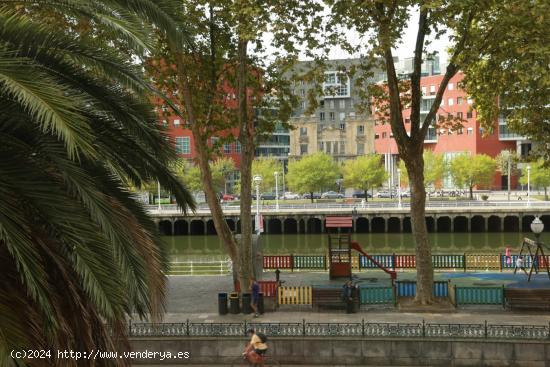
column 471, row 192
column 366, row 195
column 311, row 196
column 424, row 270
column 222, row 229
column 247, row 156
column 545, row 194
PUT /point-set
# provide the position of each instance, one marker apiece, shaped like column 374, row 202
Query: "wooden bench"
column 328, row 297
column 531, row 298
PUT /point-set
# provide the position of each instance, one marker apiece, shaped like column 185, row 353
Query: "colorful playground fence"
column 359, row 262
column 268, row 287
column 478, row 295
column 294, row 295
column 407, row 288
column 376, row 295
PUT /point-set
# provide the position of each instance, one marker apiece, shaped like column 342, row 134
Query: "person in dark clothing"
column 255, row 290
column 348, row 294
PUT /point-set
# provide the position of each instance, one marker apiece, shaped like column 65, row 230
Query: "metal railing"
column 350, row 329
column 174, row 209
column 200, row 267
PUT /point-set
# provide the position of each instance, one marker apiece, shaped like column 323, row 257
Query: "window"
column 331, row 104
column 336, row 85
column 176, row 122
column 469, row 114
column 460, row 131
column 459, row 100
column 342, row 147
column 360, row 148
column 238, row 147
column 303, row 131
column 450, row 116
column 303, row 105
column 331, row 114
column 470, row 101
column 441, row 118
column 321, row 146
column 432, row 90
column 330, row 78
column 164, row 123
column 469, row 131
column 182, row 145
column 451, row 86
column 424, row 91
column 322, row 116
column 341, row 116
column 450, row 102
column 376, row 136
column 481, row 131
column 227, row 148
column 343, row 127
column 384, row 135
column 335, row 147
column 322, row 104
column 302, row 92
column 327, row 146
column 342, row 104
column 360, row 129
column 459, row 115
column 302, row 82
column 214, row 140
column 303, row 149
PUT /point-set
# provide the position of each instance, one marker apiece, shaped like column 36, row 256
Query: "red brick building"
column 449, row 142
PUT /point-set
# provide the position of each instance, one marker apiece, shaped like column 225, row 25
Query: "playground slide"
column 357, row 247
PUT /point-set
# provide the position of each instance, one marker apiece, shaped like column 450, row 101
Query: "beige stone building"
column 351, row 137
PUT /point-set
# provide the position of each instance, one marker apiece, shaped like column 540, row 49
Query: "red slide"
column 357, row 247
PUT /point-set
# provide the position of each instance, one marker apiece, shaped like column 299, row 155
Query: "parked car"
column 405, row 193
column 308, row 195
column 268, row 196
column 290, row 196
column 385, row 194
column 360, row 195
column 331, row 195
column 228, row 197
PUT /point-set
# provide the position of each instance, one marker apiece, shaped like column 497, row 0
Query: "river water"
column 182, row 248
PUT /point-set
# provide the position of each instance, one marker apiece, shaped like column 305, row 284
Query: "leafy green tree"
column 191, row 174
column 434, row 168
column 538, row 177
column 509, row 63
column 507, row 162
column 365, row 172
column 312, row 173
column 469, row 171
column 266, row 167
column 382, row 24
column 78, row 255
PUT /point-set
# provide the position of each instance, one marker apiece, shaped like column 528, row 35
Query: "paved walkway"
column 195, row 298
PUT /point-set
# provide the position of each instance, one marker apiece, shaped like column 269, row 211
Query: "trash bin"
column 234, row 303
column 261, row 308
column 246, row 303
column 222, row 303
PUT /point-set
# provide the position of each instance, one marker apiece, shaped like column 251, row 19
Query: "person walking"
column 255, row 290
column 520, row 264
column 347, row 296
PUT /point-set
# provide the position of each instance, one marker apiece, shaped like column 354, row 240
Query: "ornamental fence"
column 350, row 329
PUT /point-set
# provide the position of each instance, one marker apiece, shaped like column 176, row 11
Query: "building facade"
column 470, row 138
column 335, row 126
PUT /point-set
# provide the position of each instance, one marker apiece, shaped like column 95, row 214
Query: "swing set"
column 535, row 251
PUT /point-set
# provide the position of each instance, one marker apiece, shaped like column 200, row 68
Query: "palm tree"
column 77, row 254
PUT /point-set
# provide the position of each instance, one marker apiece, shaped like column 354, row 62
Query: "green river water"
column 182, row 248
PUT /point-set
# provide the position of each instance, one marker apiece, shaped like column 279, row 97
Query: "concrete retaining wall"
column 355, row 351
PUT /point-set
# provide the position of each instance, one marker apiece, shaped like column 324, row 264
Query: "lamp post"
column 528, row 185
column 537, row 227
column 257, row 181
column 399, row 205
column 158, row 187
column 276, row 190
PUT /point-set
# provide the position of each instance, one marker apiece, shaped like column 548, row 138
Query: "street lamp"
column 399, row 188
column 158, row 187
column 537, row 227
column 528, row 185
column 276, row 190
column 257, row 181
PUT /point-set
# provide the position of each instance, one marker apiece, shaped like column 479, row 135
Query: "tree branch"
column 416, row 93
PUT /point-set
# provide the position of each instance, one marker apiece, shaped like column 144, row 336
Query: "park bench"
column 326, row 297
column 532, row 298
